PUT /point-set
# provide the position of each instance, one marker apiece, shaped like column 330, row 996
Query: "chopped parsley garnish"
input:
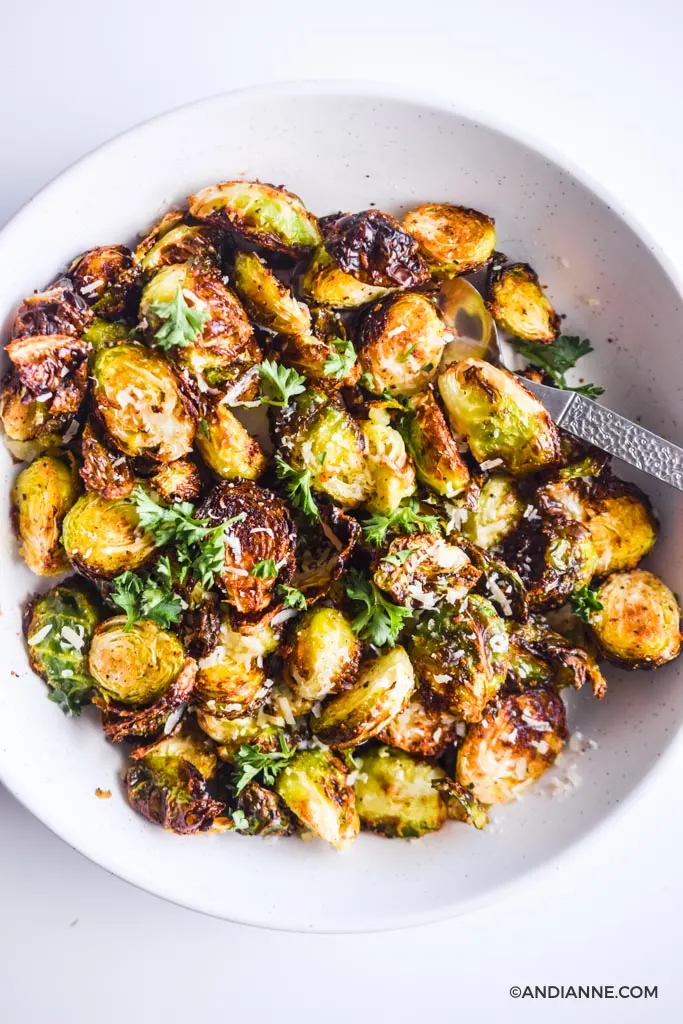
column 557, row 358
column 240, row 820
column 69, row 694
column 266, row 569
column 342, row 360
column 279, row 383
column 148, row 595
column 298, row 486
column 252, row 762
column 291, row 597
column 399, row 557
column 181, row 323
column 406, row 355
column 379, row 621
column 404, row 519
column 584, row 601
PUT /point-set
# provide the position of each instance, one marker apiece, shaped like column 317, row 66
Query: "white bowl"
column 346, row 147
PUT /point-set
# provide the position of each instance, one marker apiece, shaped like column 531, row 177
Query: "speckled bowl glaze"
column 342, row 146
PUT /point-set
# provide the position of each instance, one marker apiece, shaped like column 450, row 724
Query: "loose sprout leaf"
column 291, row 597
column 584, row 601
column 240, row 820
column 404, row 519
column 251, row 762
column 69, row 695
column 339, row 364
column 558, row 357
column 182, row 323
column 279, row 383
column 265, row 569
column 380, row 621
column 298, row 486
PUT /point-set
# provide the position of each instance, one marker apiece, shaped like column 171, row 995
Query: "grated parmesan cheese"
column 40, row 635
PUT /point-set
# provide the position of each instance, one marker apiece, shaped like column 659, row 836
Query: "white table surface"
column 600, row 81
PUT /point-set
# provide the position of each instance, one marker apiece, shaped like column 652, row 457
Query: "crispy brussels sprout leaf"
column 326, row 554
column 402, row 340
column 436, row 457
column 227, row 447
column 395, row 794
column 324, row 353
column 372, row 247
column 534, row 646
column 104, row 470
column 102, row 538
column 520, row 306
column 42, row 495
column 462, row 804
column 169, row 791
column 323, row 655
column 638, row 625
column 24, row 420
column 186, row 741
column 315, row 788
column 54, row 370
column 172, row 242
column 452, row 239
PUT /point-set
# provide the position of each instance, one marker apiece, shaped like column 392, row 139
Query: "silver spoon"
column 476, row 334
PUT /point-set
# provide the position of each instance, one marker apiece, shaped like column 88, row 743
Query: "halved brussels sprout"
column 381, row 691
column 267, row 299
column 316, row 789
column 259, row 529
column 122, row 721
column 201, row 620
column 323, row 655
column 24, row 420
column 327, row 549
column 134, row 663
column 139, row 400
column 498, row 417
column 316, row 433
column 54, row 370
column 421, row 569
column 325, row 283
column 58, row 627
column 324, row 353
column 108, row 278
column 498, row 512
column 420, row 730
column 373, row 248
column 172, row 241
column 554, row 557
column 461, row 657
column 169, row 791
column 104, row 469
column 177, row 481
column 232, row 733
column 41, row 496
column 395, row 795
column 226, row 445
column 57, row 310
column 539, row 655
column 105, row 334
column 266, row 813
column 520, row 306
column 232, row 680
column 185, row 741
column 392, row 473
column 401, row 341
column 103, row 537
column 438, row 462
column 453, row 239
column 639, row 623
column 518, row 739
column 271, row 217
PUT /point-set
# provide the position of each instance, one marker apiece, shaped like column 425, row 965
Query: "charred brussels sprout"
column 323, row 656
column 24, row 420
column 395, row 795
column 421, row 569
column 57, row 310
column 381, row 691
column 372, row 247
column 170, row 791
column 172, row 241
column 325, row 283
column 554, row 557
column 539, row 655
column 134, row 663
column 177, row 481
column 520, row 306
column 438, row 462
column 271, row 217
column 232, row 733
column 267, row 299
column 103, row 537
column 461, row 657
column 461, row 804
column 185, row 741
column 315, row 788
column 266, row 813
column 105, row 334
column 108, row 279
column 498, row 512
column 498, row 417
column 140, row 403
column 324, row 354
column 452, row 239
column 420, row 730
column 401, row 340
column 58, row 627
column 104, row 469
column 54, row 370
column 638, row 625
column 391, row 469
column 227, row 447
column 42, row 495
column 232, row 680
column 515, row 743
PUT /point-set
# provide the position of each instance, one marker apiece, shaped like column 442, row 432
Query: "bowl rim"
column 441, row 103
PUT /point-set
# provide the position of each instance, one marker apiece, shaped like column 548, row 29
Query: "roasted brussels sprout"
column 638, row 625
column 461, row 657
column 259, row 532
column 53, row 368
column 104, row 469
column 324, row 354
column 265, row 811
column 102, row 537
column 105, row 334
column 461, row 804
column 498, row 512
column 452, row 239
column 58, row 627
column 325, row 283
column 327, row 550
column 395, row 795
column 520, row 306
column 392, row 474
column 170, row 791
column 177, row 481
column 315, row 788
column 323, row 655
column 227, row 447
column 421, row 569
column 317, row 434
column 57, row 310
column 232, row 733
column 141, row 404
column 271, row 217
column 24, row 420
column 185, row 741
column 42, row 495
column 554, row 557
column 420, row 730
column 437, row 459
column 401, row 341
column 122, row 721
column 232, row 681
column 516, row 741
column 267, row 299
column 108, row 279
column 172, row 241
column 381, row 691
column 372, row 247
column 134, row 663
column 498, row 417
column 201, row 621
column 539, row 655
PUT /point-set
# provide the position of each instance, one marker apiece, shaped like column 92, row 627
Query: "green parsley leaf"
column 406, row 355
column 240, row 820
column 340, row 362
column 279, row 383
column 203, row 428
column 291, row 597
column 585, row 601
column 379, row 621
column 298, row 486
column 404, row 519
column 182, row 323
column 148, row 596
column 399, row 557
column 251, row 762
column 557, row 358
column 265, row 569
column 69, row 694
